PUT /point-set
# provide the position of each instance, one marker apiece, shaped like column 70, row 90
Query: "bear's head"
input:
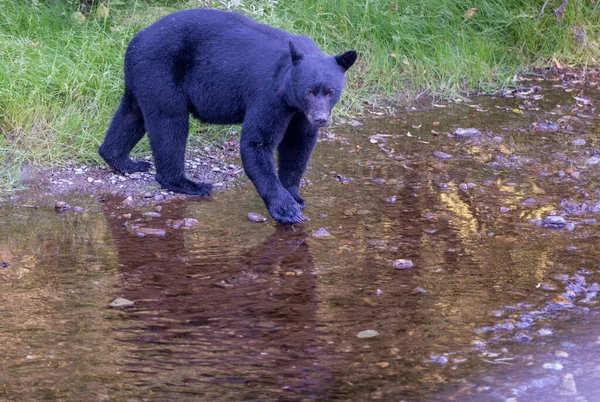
column 317, row 82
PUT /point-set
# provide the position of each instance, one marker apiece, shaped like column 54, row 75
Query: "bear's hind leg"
column 126, row 130
column 168, row 137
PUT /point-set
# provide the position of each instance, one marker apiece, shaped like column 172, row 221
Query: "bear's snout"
column 320, row 120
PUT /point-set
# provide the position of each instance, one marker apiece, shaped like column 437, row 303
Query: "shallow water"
column 233, row 310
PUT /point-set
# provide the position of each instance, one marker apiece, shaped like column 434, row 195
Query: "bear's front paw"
column 285, row 209
column 294, row 193
column 300, row 202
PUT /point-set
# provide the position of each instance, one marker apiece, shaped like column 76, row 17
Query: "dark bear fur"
column 224, row 68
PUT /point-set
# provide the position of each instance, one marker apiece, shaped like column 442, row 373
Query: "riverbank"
column 61, row 75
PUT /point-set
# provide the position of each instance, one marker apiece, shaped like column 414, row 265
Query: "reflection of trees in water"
column 215, row 322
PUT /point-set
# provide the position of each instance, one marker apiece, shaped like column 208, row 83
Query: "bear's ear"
column 296, row 55
column 346, row 60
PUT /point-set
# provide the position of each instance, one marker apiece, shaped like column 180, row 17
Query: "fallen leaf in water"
column 382, row 364
column 562, row 300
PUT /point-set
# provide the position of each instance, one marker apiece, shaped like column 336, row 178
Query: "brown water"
column 237, row 311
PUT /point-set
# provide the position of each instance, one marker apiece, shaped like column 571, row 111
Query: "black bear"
column 225, row 68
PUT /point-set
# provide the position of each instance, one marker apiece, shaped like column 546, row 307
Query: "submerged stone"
column 442, row 155
column 321, row 232
column 255, row 217
column 121, row 302
column 467, row 132
column 368, row 333
column 402, row 264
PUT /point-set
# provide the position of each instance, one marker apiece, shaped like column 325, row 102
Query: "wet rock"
column 545, row 332
column 151, row 214
column 594, row 160
column 536, row 222
column 321, row 232
column 569, row 227
column 368, row 333
column 561, row 353
column 588, row 297
column 567, row 385
column 552, row 366
column 439, row 359
column 547, row 286
column 343, row 179
column 255, row 217
column 525, row 323
column 522, row 337
column 463, row 186
column 497, row 139
column 418, row 291
column 391, row 200
column 466, row 132
column 189, row 222
column 554, row 221
column 545, row 126
column 505, row 326
column 530, row 201
column 121, row 302
column 148, row 195
column 61, row 206
column 545, row 382
column 594, row 287
column 128, row 202
column 402, row 264
column 578, row 142
column 355, row 123
column 442, row 155
column 151, row 232
column 504, row 210
column 77, row 209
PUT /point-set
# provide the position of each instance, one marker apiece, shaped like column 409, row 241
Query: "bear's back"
column 212, row 28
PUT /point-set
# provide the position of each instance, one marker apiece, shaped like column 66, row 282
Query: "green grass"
column 61, row 80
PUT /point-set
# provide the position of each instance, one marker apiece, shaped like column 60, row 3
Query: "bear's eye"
column 329, row 93
column 313, row 92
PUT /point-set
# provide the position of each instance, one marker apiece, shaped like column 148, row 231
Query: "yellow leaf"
column 78, row 17
column 502, row 148
column 517, row 111
column 102, row 11
column 470, row 12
